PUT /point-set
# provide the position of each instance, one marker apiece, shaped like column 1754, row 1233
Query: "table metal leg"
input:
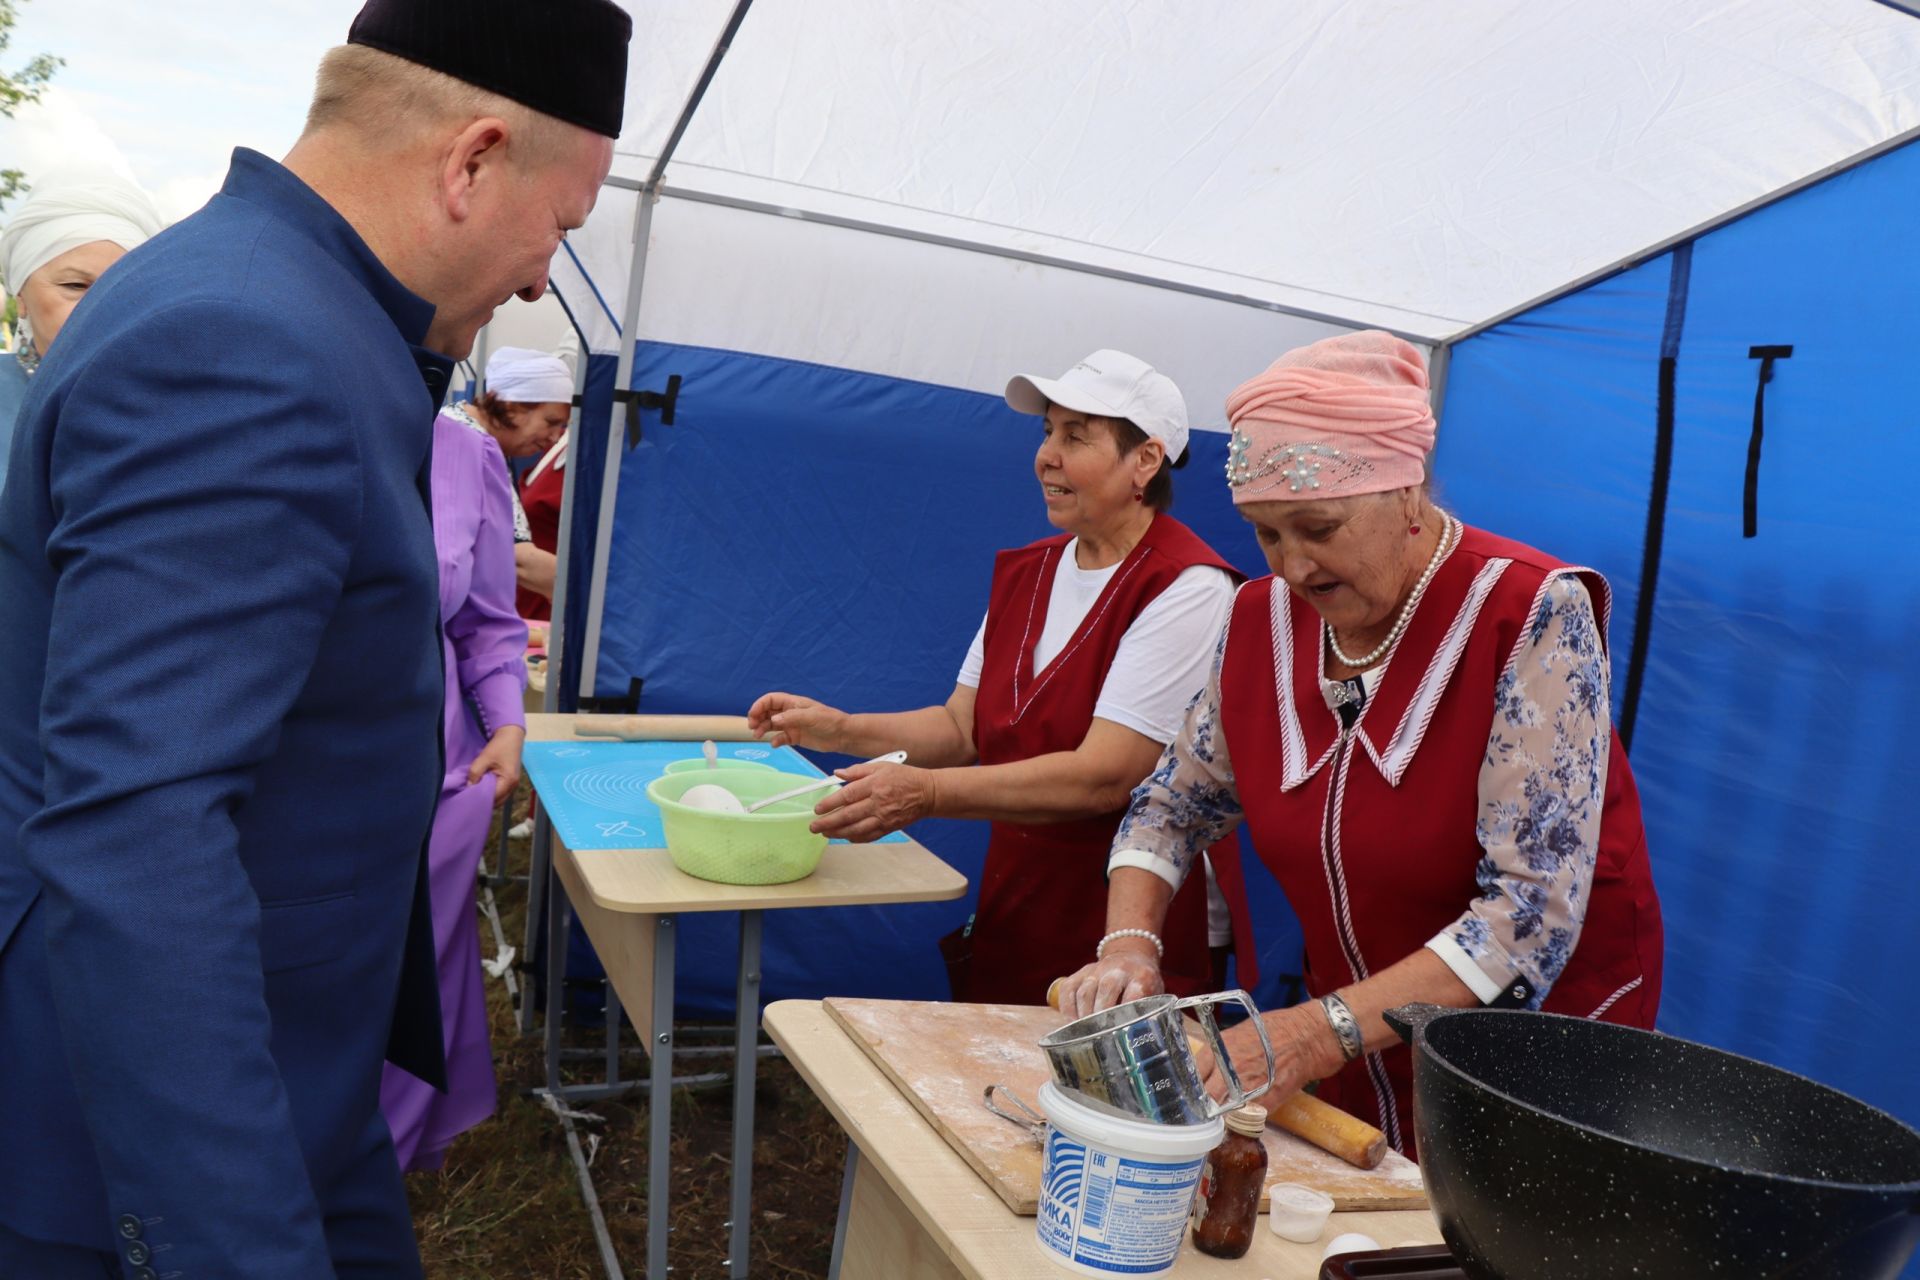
column 556, row 974
column 746, row 1058
column 660, row 1099
column 846, row 1202
column 558, row 1096
column 498, row 876
column 539, row 891
column 609, row 1260
column 613, row 1036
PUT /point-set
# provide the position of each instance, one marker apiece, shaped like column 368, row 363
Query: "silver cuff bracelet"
column 1346, row 1027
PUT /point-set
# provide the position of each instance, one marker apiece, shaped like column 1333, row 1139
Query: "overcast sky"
column 166, row 89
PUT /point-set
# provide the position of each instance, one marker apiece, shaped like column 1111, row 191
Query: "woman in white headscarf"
column 526, row 406
column 66, row 234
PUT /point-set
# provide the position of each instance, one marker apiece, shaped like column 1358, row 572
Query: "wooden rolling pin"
column 664, row 728
column 1307, row 1118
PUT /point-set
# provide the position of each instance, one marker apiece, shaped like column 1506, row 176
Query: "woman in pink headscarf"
column 1411, row 716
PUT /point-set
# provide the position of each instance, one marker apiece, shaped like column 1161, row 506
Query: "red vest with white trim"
column 1371, row 831
column 1043, row 893
column 540, row 499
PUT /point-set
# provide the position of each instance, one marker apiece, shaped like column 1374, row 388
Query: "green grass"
column 507, row 1204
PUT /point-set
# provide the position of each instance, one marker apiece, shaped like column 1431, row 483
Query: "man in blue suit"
column 220, row 704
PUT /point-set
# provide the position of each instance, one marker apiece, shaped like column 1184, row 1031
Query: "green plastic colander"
column 772, row 846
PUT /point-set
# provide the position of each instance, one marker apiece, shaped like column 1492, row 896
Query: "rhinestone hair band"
column 1298, row 466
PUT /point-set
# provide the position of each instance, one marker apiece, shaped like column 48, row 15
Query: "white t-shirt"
column 1162, row 662
column 1163, row 658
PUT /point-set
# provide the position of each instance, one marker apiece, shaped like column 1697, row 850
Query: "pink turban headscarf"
column 1345, row 416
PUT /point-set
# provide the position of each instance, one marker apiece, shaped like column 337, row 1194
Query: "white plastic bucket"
column 1115, row 1194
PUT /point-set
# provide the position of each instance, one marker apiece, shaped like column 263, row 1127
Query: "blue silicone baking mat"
column 595, row 792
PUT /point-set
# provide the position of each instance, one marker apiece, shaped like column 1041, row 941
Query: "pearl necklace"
column 1406, row 610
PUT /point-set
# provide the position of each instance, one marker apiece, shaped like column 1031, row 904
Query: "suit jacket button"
column 129, row 1227
column 146, row 1273
column 138, row 1253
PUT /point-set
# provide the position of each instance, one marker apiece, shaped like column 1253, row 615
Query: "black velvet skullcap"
column 564, row 58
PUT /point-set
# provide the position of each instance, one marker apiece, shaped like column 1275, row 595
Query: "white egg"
column 1351, row 1242
column 709, row 795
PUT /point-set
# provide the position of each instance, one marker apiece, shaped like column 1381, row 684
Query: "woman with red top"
column 540, row 495
column 1411, row 717
column 1094, row 643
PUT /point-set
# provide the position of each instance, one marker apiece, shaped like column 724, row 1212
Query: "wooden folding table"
column 628, row 901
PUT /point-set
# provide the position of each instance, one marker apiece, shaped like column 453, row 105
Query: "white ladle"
column 711, row 752
column 892, row 757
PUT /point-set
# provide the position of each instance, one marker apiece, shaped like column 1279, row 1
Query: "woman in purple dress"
column 474, row 529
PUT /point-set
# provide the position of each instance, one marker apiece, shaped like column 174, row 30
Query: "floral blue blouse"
column 1542, row 785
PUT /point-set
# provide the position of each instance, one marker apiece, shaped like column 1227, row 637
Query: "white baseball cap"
column 1111, row 384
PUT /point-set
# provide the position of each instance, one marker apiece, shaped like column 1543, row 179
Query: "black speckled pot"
column 1558, row 1147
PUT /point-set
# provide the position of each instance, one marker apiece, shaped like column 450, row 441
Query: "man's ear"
column 477, row 154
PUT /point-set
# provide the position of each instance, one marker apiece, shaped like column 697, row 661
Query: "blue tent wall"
column 589, row 468
column 832, row 533
column 1773, row 745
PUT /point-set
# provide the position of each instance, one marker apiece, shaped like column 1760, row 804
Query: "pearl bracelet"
column 1346, row 1027
column 1159, row 951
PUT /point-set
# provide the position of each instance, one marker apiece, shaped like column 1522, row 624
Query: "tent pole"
column 482, row 345
column 714, row 58
column 556, row 626
column 1437, row 364
column 630, row 335
column 615, row 444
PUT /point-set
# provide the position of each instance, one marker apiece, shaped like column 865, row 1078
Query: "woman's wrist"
column 842, row 733
column 1140, row 938
column 1127, row 944
column 510, row 728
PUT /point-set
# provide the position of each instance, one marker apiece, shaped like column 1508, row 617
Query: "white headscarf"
column 64, row 213
column 520, row 376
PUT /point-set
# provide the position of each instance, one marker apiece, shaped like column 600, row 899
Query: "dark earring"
column 1138, row 496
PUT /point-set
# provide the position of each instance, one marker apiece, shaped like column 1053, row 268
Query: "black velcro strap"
column 1750, row 505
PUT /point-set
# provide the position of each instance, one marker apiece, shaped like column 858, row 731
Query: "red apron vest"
column 540, row 499
column 1371, row 831
column 1043, row 893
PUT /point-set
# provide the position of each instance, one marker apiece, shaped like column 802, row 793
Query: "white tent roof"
column 1416, row 165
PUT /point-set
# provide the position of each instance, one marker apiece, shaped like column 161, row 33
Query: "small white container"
column 1297, row 1213
column 1116, row 1194
column 1350, row 1242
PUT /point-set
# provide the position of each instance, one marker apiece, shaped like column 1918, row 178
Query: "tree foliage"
column 18, row 89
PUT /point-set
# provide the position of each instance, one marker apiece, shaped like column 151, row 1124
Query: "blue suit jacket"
column 13, row 389
column 219, row 737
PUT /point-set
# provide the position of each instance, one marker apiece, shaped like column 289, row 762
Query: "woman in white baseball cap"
column 1095, row 641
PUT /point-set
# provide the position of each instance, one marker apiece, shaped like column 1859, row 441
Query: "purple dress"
column 484, row 645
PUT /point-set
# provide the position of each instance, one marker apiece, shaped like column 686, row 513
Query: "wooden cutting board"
column 943, row 1056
